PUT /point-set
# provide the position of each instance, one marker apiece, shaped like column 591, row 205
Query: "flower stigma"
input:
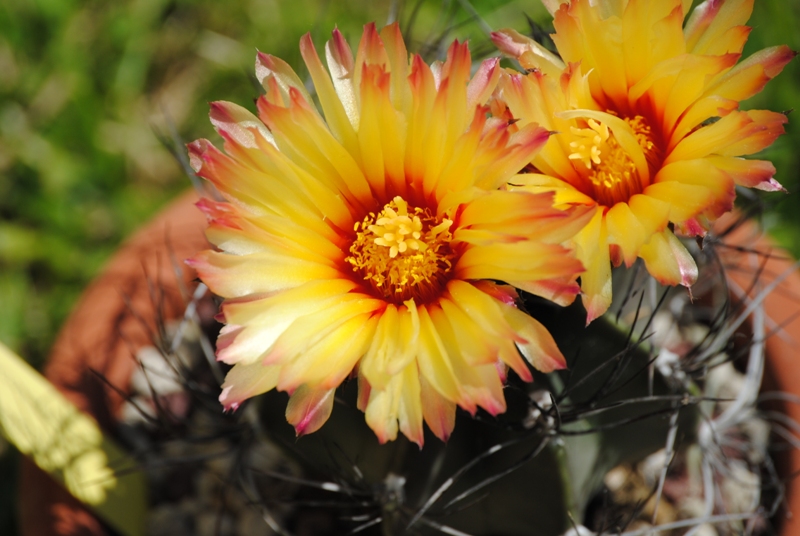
column 609, row 168
column 403, row 252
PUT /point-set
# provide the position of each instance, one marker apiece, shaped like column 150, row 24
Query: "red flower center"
column 403, row 252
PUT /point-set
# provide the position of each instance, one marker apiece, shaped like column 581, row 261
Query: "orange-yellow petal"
column 480, row 384
column 625, row 230
column 651, row 213
column 397, row 405
column 434, row 361
column 269, row 68
column 232, row 276
column 592, row 251
column 439, row 412
column 255, row 323
column 668, row 260
column 328, row 362
column 238, row 124
column 342, row 67
column 308, row 409
column 483, row 83
column 685, row 200
column 336, row 115
column 518, row 261
column 397, row 53
column 765, row 128
column 711, row 19
column 310, row 336
column 246, row 381
column 749, row 173
column 750, row 76
column 530, row 54
column 539, row 348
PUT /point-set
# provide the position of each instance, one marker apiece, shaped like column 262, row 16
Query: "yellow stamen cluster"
column 612, row 172
column 643, row 134
column 403, row 253
column 589, row 142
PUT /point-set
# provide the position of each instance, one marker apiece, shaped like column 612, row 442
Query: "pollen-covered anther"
column 611, row 171
column 589, row 142
column 403, row 252
column 397, row 229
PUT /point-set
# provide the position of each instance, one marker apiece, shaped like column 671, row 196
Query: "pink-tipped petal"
column 269, row 67
column 222, row 214
column 530, row 54
column 539, row 347
column 238, row 124
column 483, row 83
column 308, row 409
column 246, row 381
column 668, row 260
column 438, row 412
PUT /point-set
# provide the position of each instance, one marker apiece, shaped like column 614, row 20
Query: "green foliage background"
column 85, row 85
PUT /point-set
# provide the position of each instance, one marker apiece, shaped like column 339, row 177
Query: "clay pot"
column 117, row 315
column 759, row 258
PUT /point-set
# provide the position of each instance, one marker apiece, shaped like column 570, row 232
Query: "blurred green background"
column 85, row 87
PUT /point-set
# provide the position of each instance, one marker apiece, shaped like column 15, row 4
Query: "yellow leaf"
column 69, row 445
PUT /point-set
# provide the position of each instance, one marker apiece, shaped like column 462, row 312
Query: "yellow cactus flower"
column 649, row 130
column 369, row 240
